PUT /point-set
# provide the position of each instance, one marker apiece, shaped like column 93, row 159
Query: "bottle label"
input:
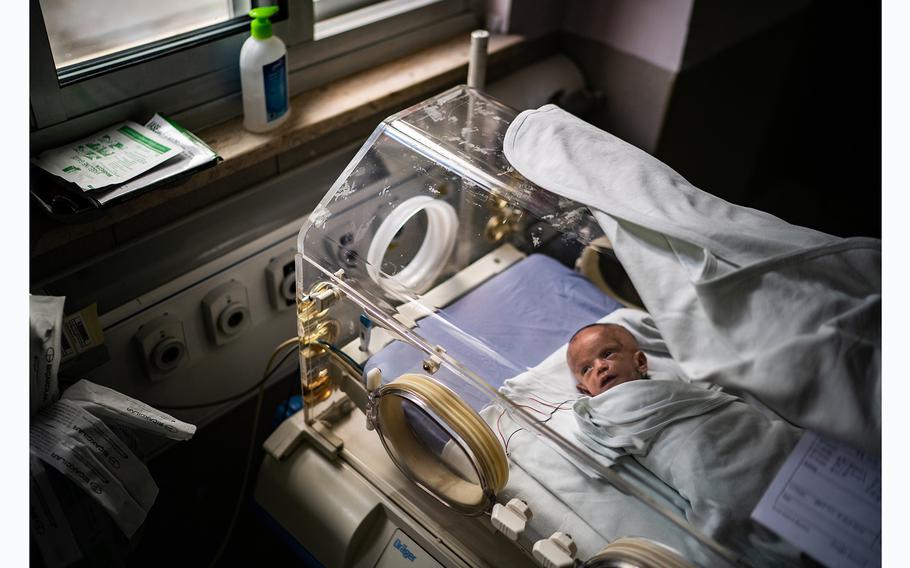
column 275, row 82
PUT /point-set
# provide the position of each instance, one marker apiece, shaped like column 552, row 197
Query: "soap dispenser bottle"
column 263, row 74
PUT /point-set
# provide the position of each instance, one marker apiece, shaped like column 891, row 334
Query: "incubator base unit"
column 436, row 293
column 359, row 510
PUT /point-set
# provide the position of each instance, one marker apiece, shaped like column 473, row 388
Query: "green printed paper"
column 110, row 157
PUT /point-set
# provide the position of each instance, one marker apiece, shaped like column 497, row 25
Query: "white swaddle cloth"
column 565, row 495
column 773, row 312
column 652, row 432
column 718, row 452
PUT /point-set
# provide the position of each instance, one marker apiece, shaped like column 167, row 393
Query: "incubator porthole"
column 439, row 442
column 420, row 268
column 413, row 231
column 636, row 552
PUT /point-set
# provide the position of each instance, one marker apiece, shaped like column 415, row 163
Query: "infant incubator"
column 436, row 291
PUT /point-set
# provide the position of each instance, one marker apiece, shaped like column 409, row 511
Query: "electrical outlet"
column 162, row 343
column 226, row 312
column 282, row 282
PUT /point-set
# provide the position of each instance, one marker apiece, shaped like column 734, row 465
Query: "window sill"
column 322, row 119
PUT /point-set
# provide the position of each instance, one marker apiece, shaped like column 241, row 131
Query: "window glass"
column 87, row 29
column 324, row 9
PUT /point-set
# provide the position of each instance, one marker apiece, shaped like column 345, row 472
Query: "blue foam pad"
column 504, row 326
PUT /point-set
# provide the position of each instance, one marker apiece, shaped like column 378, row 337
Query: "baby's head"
column 603, row 355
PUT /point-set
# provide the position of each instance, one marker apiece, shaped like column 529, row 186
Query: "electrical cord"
column 344, row 359
column 242, row 394
column 353, row 368
column 342, row 354
column 269, row 370
column 555, row 407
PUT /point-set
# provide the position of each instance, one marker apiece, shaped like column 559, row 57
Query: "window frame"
column 105, row 64
column 199, row 85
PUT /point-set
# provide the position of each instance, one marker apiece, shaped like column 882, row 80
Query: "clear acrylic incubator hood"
column 436, row 290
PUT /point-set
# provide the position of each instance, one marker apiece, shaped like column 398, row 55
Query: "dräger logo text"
column 405, row 552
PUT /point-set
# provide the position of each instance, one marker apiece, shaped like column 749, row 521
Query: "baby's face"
column 602, row 357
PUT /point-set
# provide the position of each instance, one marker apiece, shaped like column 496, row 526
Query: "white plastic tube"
column 434, row 252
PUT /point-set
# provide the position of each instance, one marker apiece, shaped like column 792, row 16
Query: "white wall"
column 654, row 30
column 673, row 33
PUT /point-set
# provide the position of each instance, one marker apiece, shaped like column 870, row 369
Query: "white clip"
column 431, row 364
column 558, row 551
column 373, row 381
column 512, row 518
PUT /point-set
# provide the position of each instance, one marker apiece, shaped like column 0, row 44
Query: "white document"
column 193, row 153
column 109, row 157
column 827, row 501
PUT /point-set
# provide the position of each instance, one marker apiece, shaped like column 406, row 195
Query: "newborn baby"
column 716, row 451
column 603, row 355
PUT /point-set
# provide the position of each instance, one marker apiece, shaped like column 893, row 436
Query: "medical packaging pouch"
column 81, row 447
column 112, row 156
column 112, row 406
column 71, row 436
column 47, row 523
column 45, row 328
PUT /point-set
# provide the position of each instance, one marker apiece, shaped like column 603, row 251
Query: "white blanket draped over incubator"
column 436, row 292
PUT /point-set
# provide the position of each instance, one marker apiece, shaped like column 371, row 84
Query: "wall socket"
column 281, row 280
column 226, row 312
column 162, row 343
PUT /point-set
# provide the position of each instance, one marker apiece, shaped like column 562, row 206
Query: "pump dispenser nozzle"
column 261, row 26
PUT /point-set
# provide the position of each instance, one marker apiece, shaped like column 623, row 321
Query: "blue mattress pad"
column 506, row 325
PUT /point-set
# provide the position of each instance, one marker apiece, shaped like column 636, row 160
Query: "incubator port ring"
column 459, row 420
column 636, row 552
column 434, row 252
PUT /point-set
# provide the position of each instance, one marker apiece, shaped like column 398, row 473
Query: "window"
column 325, row 9
column 82, row 31
column 91, row 65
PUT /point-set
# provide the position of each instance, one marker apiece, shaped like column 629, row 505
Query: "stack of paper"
column 126, row 158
